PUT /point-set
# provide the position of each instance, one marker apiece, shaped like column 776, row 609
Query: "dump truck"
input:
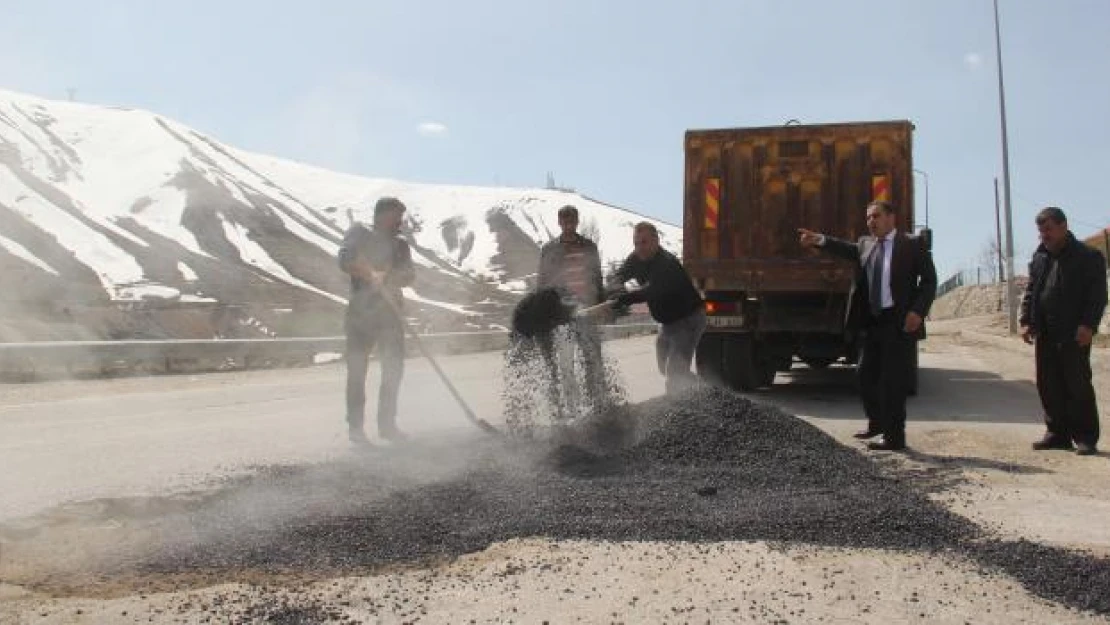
column 769, row 301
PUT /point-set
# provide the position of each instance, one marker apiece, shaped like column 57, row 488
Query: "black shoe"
column 866, row 434
column 887, row 444
column 358, row 437
column 1052, row 441
column 1085, row 449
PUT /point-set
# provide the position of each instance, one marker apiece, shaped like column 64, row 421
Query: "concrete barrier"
column 51, row 359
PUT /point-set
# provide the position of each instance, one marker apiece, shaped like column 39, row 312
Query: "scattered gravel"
column 1075, row 579
column 540, row 391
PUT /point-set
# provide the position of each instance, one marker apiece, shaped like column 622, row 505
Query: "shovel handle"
column 467, row 411
column 595, row 308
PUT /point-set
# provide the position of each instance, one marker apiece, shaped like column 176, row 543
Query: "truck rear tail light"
column 721, row 308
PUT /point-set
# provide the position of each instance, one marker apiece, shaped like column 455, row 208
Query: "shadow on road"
column 955, row 395
column 973, row 462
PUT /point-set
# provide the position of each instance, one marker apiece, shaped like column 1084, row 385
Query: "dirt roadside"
column 539, row 581
column 987, row 471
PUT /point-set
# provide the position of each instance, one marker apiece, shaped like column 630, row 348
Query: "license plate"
column 725, row 322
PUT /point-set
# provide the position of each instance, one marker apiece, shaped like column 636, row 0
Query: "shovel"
column 470, row 415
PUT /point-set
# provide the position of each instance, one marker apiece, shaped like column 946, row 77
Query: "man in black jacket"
column 893, row 290
column 672, row 300
column 380, row 265
column 1060, row 312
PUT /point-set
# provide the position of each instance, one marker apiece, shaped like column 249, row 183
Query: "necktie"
column 876, row 278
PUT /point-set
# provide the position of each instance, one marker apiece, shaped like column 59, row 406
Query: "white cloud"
column 973, row 60
column 431, row 129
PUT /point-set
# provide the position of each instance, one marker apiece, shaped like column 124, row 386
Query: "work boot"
column 1085, row 449
column 1052, row 441
column 358, row 437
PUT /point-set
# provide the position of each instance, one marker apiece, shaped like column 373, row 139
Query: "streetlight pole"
column 926, row 177
column 1011, row 284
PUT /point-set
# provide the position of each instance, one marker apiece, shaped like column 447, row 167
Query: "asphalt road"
column 81, row 440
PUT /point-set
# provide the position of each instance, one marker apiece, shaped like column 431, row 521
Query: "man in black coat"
column 672, row 300
column 380, row 265
column 1060, row 312
column 893, row 290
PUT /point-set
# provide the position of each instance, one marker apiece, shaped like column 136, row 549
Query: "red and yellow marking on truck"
column 880, row 188
column 712, row 203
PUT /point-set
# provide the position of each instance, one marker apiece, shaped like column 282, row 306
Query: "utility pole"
column 926, row 177
column 1011, row 284
column 998, row 232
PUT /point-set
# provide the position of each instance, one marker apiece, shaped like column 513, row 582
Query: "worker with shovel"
column 571, row 264
column 672, row 299
column 380, row 265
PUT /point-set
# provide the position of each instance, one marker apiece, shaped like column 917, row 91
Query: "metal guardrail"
column 30, row 360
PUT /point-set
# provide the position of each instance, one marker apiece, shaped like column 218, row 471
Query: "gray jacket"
column 553, row 258
column 383, row 252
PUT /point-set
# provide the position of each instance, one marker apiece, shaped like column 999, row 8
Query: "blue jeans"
column 675, row 347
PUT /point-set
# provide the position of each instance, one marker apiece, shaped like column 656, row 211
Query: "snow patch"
column 513, row 286
column 187, row 272
column 18, row 250
column 412, row 295
column 197, row 299
column 112, row 264
column 326, row 357
column 254, row 254
column 138, row 292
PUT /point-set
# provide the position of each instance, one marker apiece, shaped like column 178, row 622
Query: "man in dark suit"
column 893, row 290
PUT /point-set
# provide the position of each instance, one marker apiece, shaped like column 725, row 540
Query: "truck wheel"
column 911, row 381
column 708, row 359
column 741, row 369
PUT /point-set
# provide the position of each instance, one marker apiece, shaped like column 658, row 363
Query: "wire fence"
column 965, row 277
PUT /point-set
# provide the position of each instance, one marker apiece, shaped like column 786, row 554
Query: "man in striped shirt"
column 571, row 263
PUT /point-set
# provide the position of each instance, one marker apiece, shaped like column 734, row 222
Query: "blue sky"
column 600, row 93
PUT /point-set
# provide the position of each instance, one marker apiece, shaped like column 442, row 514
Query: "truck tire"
column 911, row 381
column 708, row 360
column 742, row 370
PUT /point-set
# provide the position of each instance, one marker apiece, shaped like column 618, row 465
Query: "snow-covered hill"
column 106, row 213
